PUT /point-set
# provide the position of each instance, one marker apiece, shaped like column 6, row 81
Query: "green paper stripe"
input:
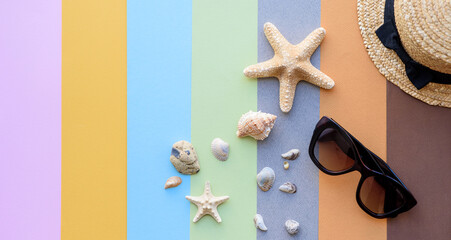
column 224, row 43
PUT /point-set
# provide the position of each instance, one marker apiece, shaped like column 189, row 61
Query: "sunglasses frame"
column 359, row 165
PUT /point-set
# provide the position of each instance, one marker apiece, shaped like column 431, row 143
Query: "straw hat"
column 424, row 28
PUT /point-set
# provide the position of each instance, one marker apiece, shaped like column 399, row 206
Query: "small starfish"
column 290, row 64
column 207, row 204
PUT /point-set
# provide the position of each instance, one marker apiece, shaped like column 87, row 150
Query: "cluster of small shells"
column 291, row 225
column 184, row 158
column 290, row 155
column 265, row 180
column 255, row 124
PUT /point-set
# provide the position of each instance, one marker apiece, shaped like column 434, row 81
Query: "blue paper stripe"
column 158, row 114
column 295, row 19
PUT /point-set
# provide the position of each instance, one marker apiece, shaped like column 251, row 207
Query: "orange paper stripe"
column 358, row 103
column 94, row 120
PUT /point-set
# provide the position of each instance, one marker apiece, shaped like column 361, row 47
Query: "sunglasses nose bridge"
column 359, row 167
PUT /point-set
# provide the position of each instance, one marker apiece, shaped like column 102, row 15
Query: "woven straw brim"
column 371, row 17
column 425, row 29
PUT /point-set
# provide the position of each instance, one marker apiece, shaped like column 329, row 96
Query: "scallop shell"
column 286, row 165
column 292, row 226
column 288, row 187
column 291, row 155
column 258, row 220
column 220, row 149
column 172, row 182
column 255, row 124
column 265, row 178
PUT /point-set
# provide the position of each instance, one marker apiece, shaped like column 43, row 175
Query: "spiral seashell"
column 259, row 224
column 288, row 187
column 292, row 226
column 286, row 165
column 291, row 155
column 220, row 149
column 255, row 124
column 265, row 178
column 172, row 182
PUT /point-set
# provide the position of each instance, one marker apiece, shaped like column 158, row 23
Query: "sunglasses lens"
column 333, row 152
column 381, row 194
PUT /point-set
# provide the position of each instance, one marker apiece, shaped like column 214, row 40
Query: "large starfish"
column 207, row 204
column 290, row 64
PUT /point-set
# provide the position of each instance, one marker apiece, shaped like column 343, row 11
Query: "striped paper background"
column 94, row 93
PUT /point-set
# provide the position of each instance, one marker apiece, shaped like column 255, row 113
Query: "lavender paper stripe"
column 30, row 119
column 295, row 20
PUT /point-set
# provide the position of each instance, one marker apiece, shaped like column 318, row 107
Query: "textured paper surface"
column 158, row 115
column 295, row 20
column 418, row 150
column 224, row 43
column 30, row 119
column 358, row 103
column 91, row 119
column 94, row 127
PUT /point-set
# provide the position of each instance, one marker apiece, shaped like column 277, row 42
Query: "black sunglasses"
column 380, row 192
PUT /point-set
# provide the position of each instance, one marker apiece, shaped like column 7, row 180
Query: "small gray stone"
column 292, row 226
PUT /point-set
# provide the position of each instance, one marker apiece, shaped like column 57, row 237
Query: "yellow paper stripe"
column 358, row 103
column 94, row 118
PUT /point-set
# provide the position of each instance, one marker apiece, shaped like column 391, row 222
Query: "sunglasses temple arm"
column 376, row 160
column 411, row 199
column 381, row 162
column 382, row 165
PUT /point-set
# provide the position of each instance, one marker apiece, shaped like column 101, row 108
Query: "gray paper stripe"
column 295, row 19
